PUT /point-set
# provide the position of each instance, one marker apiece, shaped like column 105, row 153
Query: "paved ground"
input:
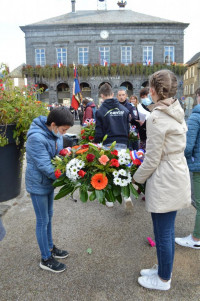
column 119, row 250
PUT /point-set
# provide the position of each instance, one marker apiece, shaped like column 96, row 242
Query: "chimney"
column 73, row 6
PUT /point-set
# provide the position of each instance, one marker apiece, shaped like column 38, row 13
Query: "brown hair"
column 86, row 100
column 144, row 91
column 133, row 96
column 106, row 90
column 197, row 92
column 164, row 82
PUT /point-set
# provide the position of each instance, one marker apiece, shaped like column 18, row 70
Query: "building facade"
column 103, row 38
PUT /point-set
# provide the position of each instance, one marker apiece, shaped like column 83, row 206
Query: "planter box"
column 10, row 171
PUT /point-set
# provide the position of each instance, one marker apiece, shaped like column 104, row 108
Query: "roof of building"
column 104, row 17
column 17, row 72
column 194, row 59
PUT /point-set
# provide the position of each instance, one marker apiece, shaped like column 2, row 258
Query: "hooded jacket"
column 88, row 113
column 112, row 119
column 41, row 146
column 165, row 168
column 192, row 151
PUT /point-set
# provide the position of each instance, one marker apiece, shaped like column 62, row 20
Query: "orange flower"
column 82, row 132
column 99, row 181
column 81, row 151
column 76, row 146
column 103, row 159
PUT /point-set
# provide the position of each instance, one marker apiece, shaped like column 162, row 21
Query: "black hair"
column 61, row 116
column 197, row 92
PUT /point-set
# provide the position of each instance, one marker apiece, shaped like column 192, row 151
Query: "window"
column 169, row 54
column 189, row 72
column 148, row 55
column 61, row 56
column 192, row 89
column 83, row 55
column 186, row 74
column 104, row 56
column 40, row 57
column 192, row 71
column 126, row 54
column 186, row 90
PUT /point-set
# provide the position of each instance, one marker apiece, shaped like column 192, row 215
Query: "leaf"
column 58, row 183
column 125, row 191
column 110, row 196
column 83, row 195
column 89, row 251
column 92, row 196
column 133, row 190
column 63, row 192
column 100, row 195
column 116, row 190
column 119, row 198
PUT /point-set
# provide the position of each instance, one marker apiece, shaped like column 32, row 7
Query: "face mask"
column 149, row 96
column 58, row 135
column 146, row 101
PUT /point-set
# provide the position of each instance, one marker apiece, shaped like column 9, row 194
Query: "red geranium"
column 81, row 173
column 63, row 152
column 137, row 162
column 91, row 138
column 90, row 157
column 84, row 146
column 83, row 137
column 58, row 173
column 114, row 162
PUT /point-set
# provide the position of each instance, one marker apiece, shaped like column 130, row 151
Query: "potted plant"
column 18, row 108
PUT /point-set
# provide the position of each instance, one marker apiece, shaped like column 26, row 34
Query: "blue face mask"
column 146, row 101
column 58, row 135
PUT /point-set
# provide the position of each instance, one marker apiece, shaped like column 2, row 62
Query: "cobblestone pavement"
column 120, row 250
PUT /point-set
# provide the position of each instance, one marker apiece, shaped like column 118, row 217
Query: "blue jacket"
column 192, row 151
column 41, row 147
column 112, row 119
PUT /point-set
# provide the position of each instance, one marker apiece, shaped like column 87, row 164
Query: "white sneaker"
column 128, row 203
column 109, row 204
column 188, row 242
column 150, row 272
column 154, row 282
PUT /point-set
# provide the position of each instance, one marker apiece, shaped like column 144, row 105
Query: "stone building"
column 192, row 77
column 106, row 38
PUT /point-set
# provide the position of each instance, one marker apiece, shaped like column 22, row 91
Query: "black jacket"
column 112, row 119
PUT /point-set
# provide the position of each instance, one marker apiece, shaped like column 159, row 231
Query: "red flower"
column 81, row 173
column 84, row 146
column 91, row 138
column 58, row 173
column 83, row 137
column 115, row 152
column 35, row 85
column 63, row 152
column 82, row 132
column 136, row 162
column 114, row 162
column 90, row 157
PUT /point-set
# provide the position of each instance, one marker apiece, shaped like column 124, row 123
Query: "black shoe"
column 51, row 264
column 58, row 253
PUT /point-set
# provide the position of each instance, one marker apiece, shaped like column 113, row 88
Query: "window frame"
column 126, row 50
column 144, row 61
column 101, row 59
column 61, row 60
column 169, row 63
column 36, row 62
column 83, row 47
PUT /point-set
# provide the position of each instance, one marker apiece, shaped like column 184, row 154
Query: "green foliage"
column 18, row 106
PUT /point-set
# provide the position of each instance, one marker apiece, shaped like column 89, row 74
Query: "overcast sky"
column 15, row 13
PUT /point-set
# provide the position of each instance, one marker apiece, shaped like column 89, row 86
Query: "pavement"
column 119, row 250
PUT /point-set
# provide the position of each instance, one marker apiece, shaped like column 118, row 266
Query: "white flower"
column 122, row 172
column 115, row 173
column 121, row 161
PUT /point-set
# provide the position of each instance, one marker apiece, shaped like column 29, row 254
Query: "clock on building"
column 104, row 34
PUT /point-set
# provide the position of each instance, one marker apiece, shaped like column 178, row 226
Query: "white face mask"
column 58, row 134
column 146, row 101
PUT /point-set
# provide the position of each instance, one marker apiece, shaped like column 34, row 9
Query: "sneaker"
column 109, row 204
column 51, row 264
column 56, row 253
column 150, row 272
column 128, row 203
column 188, row 242
column 154, row 282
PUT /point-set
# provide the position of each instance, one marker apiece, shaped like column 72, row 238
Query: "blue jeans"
column 43, row 206
column 163, row 224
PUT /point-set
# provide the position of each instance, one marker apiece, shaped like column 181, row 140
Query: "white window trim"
column 105, row 52
column 84, row 57
column 40, row 57
column 147, row 52
column 168, row 50
column 126, row 55
column 61, row 55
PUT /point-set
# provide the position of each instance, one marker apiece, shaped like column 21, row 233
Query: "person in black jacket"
column 123, row 99
column 112, row 119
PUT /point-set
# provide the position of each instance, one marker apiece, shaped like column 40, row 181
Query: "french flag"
column 77, row 97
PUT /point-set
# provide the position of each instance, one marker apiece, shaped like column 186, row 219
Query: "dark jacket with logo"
column 112, row 119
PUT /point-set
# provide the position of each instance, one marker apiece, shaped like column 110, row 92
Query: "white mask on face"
column 58, row 134
column 146, row 101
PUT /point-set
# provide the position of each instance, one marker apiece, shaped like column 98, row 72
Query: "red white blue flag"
column 76, row 97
